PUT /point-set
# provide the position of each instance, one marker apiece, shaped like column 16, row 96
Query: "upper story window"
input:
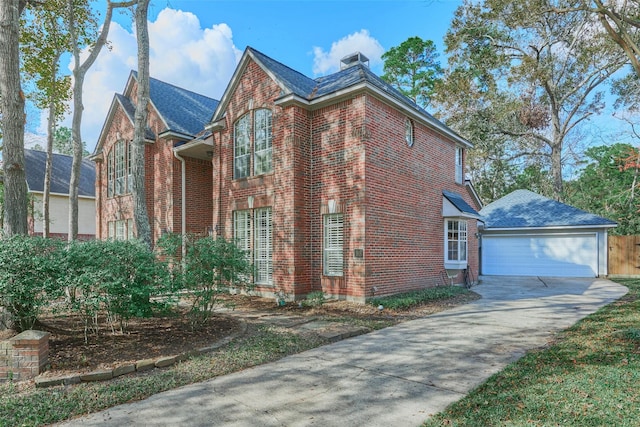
column 258, row 143
column 241, row 147
column 120, row 169
column 408, row 132
column 459, row 165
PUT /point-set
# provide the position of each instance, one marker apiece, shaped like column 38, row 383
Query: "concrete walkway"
column 396, row 376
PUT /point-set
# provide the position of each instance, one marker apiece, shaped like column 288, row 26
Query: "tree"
column 43, row 41
column 608, row 186
column 532, row 76
column 141, row 217
column 13, row 119
column 413, row 68
column 80, row 21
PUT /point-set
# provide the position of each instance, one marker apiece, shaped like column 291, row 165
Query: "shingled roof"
column 526, row 209
column 297, row 84
column 60, row 173
column 460, row 204
column 184, row 111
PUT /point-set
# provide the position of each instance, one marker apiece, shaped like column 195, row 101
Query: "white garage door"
column 574, row 255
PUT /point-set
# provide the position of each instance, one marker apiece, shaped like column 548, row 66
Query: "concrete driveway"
column 396, row 376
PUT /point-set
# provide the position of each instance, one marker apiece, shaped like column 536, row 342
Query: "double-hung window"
column 459, row 164
column 333, row 256
column 120, row 169
column 241, row 147
column 262, row 141
column 256, row 144
column 456, row 245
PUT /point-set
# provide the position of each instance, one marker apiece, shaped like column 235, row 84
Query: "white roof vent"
column 353, row 59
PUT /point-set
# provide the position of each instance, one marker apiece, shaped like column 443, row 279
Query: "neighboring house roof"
column 526, row 209
column 297, row 86
column 35, row 162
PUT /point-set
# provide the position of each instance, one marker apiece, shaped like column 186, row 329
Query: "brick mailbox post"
column 24, row 356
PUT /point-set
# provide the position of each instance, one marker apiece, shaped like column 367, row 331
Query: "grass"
column 589, row 377
column 29, row 406
column 33, row 407
column 415, row 298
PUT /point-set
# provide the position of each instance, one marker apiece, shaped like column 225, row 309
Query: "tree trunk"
column 141, row 218
column 556, row 171
column 13, row 120
column 79, row 72
column 51, row 128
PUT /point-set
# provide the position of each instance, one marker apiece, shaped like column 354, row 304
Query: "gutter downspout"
column 183, row 206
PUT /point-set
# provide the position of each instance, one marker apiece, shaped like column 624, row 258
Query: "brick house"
column 176, row 116
column 339, row 183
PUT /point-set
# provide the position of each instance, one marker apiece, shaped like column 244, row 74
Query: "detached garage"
column 526, row 234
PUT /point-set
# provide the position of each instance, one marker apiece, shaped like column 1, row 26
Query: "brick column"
column 24, row 356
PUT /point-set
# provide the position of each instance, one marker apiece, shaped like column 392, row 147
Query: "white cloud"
column 181, row 53
column 361, row 41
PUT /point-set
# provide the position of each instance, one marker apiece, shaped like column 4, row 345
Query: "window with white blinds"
column 242, row 230
column 263, row 247
column 333, row 257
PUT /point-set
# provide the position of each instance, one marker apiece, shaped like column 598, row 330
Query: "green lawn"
column 589, row 377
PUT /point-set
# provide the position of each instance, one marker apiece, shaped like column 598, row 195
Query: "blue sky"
column 196, row 44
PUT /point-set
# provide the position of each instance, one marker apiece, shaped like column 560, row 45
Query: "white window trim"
column 242, row 230
column 333, row 245
column 241, row 129
column 462, row 243
column 262, row 137
column 263, row 246
column 459, row 161
column 409, row 134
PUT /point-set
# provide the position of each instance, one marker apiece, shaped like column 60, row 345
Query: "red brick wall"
column 405, row 227
column 354, row 153
column 163, row 183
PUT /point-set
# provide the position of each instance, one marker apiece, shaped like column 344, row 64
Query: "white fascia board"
column 80, row 196
column 553, row 228
column 175, row 135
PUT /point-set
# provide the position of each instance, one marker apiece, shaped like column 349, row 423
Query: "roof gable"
column 35, row 162
column 296, row 85
column 526, row 209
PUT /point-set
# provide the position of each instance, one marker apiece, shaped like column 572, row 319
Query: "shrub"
column 116, row 276
column 30, row 271
column 415, row 298
column 314, row 299
column 212, row 266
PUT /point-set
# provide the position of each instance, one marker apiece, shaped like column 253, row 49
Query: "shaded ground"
column 171, row 335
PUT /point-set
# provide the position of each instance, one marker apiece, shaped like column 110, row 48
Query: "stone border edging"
column 139, row 366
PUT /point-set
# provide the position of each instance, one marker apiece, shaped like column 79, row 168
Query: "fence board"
column 624, row 255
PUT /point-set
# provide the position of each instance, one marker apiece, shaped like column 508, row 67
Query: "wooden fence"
column 624, row 255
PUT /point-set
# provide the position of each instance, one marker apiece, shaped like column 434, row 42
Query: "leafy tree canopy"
column 609, row 185
column 413, row 68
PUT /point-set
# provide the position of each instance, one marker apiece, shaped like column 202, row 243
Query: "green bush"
column 119, row 277
column 314, row 299
column 30, row 272
column 212, row 267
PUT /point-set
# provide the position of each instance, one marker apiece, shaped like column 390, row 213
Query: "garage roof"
column 526, row 209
